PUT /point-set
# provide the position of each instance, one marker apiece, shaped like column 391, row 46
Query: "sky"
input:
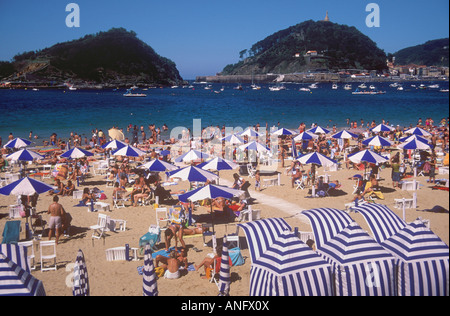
column 202, row 37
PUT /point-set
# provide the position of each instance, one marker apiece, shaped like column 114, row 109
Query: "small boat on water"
column 362, row 86
column 372, row 87
column 304, row 89
column 334, row 86
column 444, row 90
column 368, row 92
column 238, row 87
column 135, row 95
column 434, row 86
column 348, row 87
column 313, row 86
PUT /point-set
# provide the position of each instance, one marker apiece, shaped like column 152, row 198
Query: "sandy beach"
column 121, row 278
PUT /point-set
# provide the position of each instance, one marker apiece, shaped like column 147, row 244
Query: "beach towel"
column 163, row 252
column 11, row 232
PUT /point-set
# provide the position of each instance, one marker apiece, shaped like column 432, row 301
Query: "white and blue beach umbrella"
column 382, row 128
column 114, row 144
column 158, row 166
column 224, row 274
column 193, row 174
column 414, row 144
column 361, row 267
column 76, row 153
column 210, row 192
column 418, row 131
column 377, row 141
column 24, row 155
column 256, row 146
column 80, row 276
column 383, row 222
column 129, row 151
column 413, row 137
column 326, row 223
column 316, row 158
column 17, row 254
column 250, row 133
column 305, row 136
column 192, row 155
column 367, row 156
column 15, row 281
column 344, row 134
column 422, row 260
column 219, row 164
column 284, row 131
column 282, row 265
column 26, row 186
column 150, row 286
column 232, row 139
column 17, row 143
column 318, row 130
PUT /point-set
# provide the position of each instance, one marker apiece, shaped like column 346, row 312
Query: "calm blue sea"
column 62, row 112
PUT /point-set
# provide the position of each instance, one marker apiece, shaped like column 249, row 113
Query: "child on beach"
column 257, row 181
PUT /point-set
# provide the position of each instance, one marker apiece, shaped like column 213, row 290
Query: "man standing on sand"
column 57, row 214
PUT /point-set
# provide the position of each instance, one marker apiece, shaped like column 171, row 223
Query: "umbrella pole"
column 212, row 214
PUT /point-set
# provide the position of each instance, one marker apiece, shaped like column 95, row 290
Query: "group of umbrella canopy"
column 401, row 259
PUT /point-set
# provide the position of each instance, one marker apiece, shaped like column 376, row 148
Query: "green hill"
column 432, row 53
column 107, row 57
column 338, row 47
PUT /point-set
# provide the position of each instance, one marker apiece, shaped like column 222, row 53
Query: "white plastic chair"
column 47, row 172
column 162, row 216
column 118, row 201
column 14, row 211
column 101, row 226
column 45, row 255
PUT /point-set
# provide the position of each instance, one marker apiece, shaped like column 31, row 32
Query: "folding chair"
column 30, row 253
column 45, row 255
column 251, row 170
column 100, row 228
column 162, row 216
column 119, row 201
column 299, row 184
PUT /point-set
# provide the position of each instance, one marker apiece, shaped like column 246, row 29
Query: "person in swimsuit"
column 57, row 214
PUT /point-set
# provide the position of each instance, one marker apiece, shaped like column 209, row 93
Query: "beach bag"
column 236, row 257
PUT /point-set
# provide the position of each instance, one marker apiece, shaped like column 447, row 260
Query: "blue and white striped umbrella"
column 422, row 259
column 233, row 139
column 344, row 134
column 193, row 174
column 129, row 151
column 17, row 254
column 316, row 158
column 224, row 274
column 24, row 155
column 305, row 136
column 282, row 265
column 150, row 286
column 256, row 146
column 114, row 144
column 15, row 281
column 360, row 265
column 218, row 164
column 210, row 192
column 192, row 155
column 377, row 141
column 318, row 130
column 414, row 144
column 250, row 133
column 382, row 128
column 26, row 186
column 326, row 223
column 17, row 143
column 158, row 166
column 284, row 131
column 76, row 153
column 367, row 156
column 383, row 222
column 413, row 137
column 80, row 276
column 418, row 131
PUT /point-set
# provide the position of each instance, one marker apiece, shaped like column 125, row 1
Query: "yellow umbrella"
column 116, row 134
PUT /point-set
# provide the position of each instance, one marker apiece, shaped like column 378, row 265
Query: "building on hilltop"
column 327, row 18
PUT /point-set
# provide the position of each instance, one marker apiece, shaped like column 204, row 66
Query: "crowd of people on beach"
column 120, row 172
